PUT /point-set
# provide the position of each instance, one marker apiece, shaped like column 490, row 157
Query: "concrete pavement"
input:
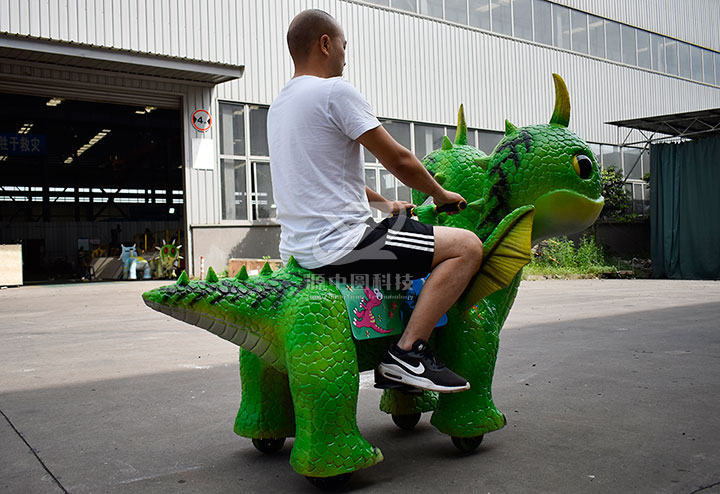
column 608, row 386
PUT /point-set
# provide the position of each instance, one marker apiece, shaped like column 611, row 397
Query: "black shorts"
column 390, row 254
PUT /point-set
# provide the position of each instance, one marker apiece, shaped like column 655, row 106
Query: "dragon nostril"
column 583, row 166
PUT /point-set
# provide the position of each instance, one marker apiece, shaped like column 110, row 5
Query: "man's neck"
column 313, row 71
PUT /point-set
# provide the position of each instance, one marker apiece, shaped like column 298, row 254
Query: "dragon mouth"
column 563, row 212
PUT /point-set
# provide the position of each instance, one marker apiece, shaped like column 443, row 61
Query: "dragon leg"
column 324, row 381
column 398, row 403
column 266, row 409
column 469, row 346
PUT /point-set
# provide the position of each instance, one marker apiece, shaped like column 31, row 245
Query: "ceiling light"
column 148, row 109
column 54, row 102
column 25, row 128
column 90, row 144
column 140, row 112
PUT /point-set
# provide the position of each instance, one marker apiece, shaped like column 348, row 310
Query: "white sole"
column 398, row 374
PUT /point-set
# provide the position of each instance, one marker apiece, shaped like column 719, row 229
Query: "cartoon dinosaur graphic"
column 299, row 363
column 364, row 318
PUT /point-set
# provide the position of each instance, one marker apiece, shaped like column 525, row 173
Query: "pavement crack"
column 700, row 489
column 34, row 452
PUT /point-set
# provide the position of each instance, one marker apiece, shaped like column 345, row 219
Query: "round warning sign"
column 201, row 120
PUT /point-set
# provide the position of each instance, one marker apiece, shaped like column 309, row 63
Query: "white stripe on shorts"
column 410, row 234
column 399, row 238
column 408, row 246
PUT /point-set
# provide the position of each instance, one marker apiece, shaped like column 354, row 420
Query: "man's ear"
column 325, row 44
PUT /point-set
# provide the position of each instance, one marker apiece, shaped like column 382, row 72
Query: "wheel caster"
column 467, row 444
column 333, row 483
column 408, row 421
column 268, row 446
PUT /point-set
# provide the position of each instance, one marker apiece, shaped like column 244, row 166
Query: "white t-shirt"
column 317, row 168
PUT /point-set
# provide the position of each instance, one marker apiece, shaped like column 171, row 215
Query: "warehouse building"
column 144, row 121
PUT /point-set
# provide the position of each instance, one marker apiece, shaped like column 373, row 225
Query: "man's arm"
column 385, row 205
column 402, row 163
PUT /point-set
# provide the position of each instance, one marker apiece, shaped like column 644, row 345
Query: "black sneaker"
column 418, row 367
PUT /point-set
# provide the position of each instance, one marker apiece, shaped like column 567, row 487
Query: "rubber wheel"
column 408, row 421
column 333, row 483
column 467, row 444
column 268, row 446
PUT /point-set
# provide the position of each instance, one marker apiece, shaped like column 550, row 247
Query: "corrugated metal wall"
column 694, row 21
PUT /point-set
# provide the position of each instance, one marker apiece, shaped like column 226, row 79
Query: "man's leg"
column 457, row 257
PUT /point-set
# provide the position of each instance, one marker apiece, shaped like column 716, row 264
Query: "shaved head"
column 305, row 30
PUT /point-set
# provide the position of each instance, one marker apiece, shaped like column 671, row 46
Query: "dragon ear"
column 561, row 112
column 509, row 128
column 461, row 133
column 447, row 144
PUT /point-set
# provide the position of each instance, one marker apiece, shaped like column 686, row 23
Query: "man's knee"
column 472, row 248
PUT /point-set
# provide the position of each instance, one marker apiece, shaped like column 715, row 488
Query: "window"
column 578, row 21
column 561, row 26
column 717, row 69
column 409, row 5
column 643, row 49
column 543, row 21
column 709, row 76
column 480, row 13
column 658, row 52
column 632, row 163
column 432, row 8
column 612, row 39
column 671, row 56
column 488, row 140
column 629, row 51
column 696, row 60
column 522, row 19
column 379, row 2
column 246, row 191
column 456, row 11
column 684, row 60
column 427, row 138
column 611, row 157
column 596, row 32
column 501, row 16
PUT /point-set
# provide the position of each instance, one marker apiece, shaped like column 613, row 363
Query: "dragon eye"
column 172, row 252
column 165, row 251
column 583, row 166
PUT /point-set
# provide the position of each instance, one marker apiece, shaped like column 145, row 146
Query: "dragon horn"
column 461, row 133
column 561, row 112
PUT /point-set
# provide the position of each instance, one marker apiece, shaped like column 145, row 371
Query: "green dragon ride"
column 299, row 363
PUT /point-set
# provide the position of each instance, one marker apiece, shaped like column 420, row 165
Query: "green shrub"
column 558, row 257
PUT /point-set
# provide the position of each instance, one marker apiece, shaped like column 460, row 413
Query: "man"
column 316, row 127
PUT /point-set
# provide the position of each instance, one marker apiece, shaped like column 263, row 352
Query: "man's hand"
column 395, row 207
column 446, row 197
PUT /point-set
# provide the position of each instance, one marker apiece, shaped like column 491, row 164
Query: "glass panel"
column 370, row 178
column 632, row 165
column 671, row 56
column 522, row 19
column 579, row 31
column 658, row 52
column 645, row 161
column 643, row 49
column 456, row 11
column 480, row 13
column 379, row 2
column 611, row 157
column 717, row 69
column 707, row 57
column 410, row 5
column 501, row 20
column 432, row 8
column 399, row 130
column 427, row 138
column 629, row 51
column 561, row 26
column 369, row 158
column 233, row 186
column 488, row 140
column 472, row 137
column 595, row 148
column 232, row 129
column 684, row 60
column 696, row 58
column 542, row 21
column 387, row 185
column 596, row 27
column 404, row 193
column 263, row 203
column 612, row 38
column 258, row 131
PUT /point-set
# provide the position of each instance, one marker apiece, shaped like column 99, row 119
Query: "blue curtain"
column 685, row 209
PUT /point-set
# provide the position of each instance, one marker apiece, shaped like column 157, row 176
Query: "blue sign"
column 23, row 144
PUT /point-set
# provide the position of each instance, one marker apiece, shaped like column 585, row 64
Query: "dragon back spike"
column 211, row 276
column 509, row 128
column 242, row 275
column 183, row 280
column 447, row 143
column 561, row 112
column 293, row 264
column 461, row 133
column 266, row 269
